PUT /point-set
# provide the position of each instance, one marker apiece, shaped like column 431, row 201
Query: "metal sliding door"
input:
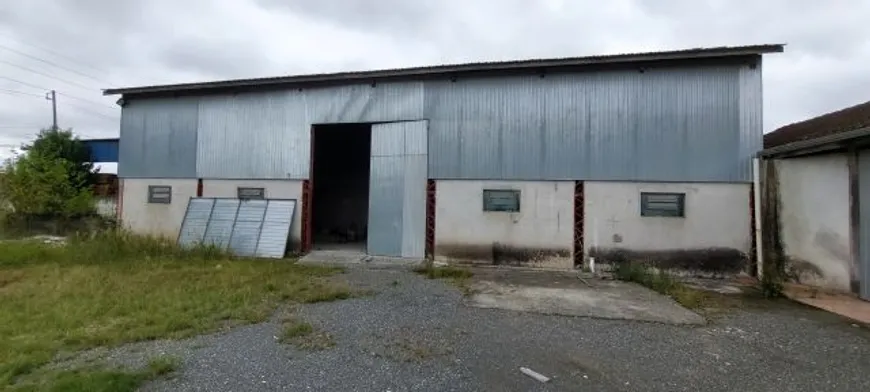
column 397, row 189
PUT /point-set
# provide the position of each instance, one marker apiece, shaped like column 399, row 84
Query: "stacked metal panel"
column 247, row 228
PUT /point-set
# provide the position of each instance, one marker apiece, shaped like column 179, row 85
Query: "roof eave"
column 688, row 54
column 818, row 145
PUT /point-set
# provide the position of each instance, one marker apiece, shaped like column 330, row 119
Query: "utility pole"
column 53, row 98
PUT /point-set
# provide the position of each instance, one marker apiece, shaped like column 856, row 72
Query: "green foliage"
column 661, row 282
column 448, row 272
column 59, row 144
column 52, row 179
column 112, row 287
column 163, row 365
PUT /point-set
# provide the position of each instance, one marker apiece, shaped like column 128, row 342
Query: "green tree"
column 52, row 179
column 63, row 144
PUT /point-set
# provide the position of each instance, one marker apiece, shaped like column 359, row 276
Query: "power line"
column 68, row 58
column 59, row 92
column 87, row 100
column 56, row 65
column 92, row 112
column 24, row 83
column 49, row 76
column 73, row 60
column 14, row 92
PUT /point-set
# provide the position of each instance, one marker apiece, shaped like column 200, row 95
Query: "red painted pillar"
column 578, row 223
column 430, row 219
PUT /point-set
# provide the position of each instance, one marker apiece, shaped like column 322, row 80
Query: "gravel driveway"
column 415, row 334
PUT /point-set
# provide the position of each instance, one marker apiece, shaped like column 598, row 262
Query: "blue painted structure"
column 103, row 150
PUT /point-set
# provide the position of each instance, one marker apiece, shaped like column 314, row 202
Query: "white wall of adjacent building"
column 814, row 219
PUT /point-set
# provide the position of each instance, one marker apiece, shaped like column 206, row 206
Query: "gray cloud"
column 163, row 41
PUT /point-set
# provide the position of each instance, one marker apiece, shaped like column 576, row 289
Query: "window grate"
column 159, row 194
column 501, row 200
column 663, row 204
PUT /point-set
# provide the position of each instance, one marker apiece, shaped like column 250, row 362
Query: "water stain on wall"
column 502, row 254
column 716, row 260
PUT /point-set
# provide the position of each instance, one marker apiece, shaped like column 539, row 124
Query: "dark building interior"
column 340, row 179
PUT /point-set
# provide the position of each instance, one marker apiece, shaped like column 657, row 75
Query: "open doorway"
column 340, row 178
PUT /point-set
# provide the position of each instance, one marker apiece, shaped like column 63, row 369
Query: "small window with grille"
column 251, row 193
column 159, row 194
column 663, row 204
column 501, row 200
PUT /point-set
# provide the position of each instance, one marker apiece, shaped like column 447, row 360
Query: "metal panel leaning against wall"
column 158, row 138
column 277, row 125
column 658, row 125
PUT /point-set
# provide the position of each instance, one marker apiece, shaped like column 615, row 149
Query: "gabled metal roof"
column 521, row 66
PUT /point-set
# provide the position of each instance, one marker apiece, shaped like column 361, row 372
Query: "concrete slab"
column 345, row 257
column 845, row 305
column 564, row 294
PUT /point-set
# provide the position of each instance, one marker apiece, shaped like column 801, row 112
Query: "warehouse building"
column 541, row 162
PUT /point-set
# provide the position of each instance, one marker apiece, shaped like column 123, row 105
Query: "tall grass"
column 107, row 246
column 113, row 287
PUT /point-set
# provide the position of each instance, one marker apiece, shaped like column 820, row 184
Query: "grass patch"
column 304, row 336
column 163, row 365
column 459, row 277
column 101, row 380
column 113, row 288
column 295, row 329
column 661, row 282
column 447, row 272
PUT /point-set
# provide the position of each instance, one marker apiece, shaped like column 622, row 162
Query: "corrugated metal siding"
column 276, row 228
column 256, row 135
column 694, row 124
column 751, row 118
column 397, row 204
column 220, row 224
column 277, row 126
column 158, row 139
column 660, row 125
column 246, row 230
column 864, row 222
column 195, row 221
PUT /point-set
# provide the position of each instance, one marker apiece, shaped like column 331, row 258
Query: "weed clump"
column 661, row 282
column 448, row 272
column 304, row 336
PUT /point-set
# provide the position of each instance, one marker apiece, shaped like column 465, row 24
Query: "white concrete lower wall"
column 814, row 219
column 713, row 236
column 540, row 235
column 145, row 218
column 274, row 189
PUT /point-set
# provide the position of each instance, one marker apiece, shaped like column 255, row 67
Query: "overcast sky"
column 79, row 47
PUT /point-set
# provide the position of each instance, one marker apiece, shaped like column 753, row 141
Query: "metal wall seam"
column 751, row 103
column 158, row 138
